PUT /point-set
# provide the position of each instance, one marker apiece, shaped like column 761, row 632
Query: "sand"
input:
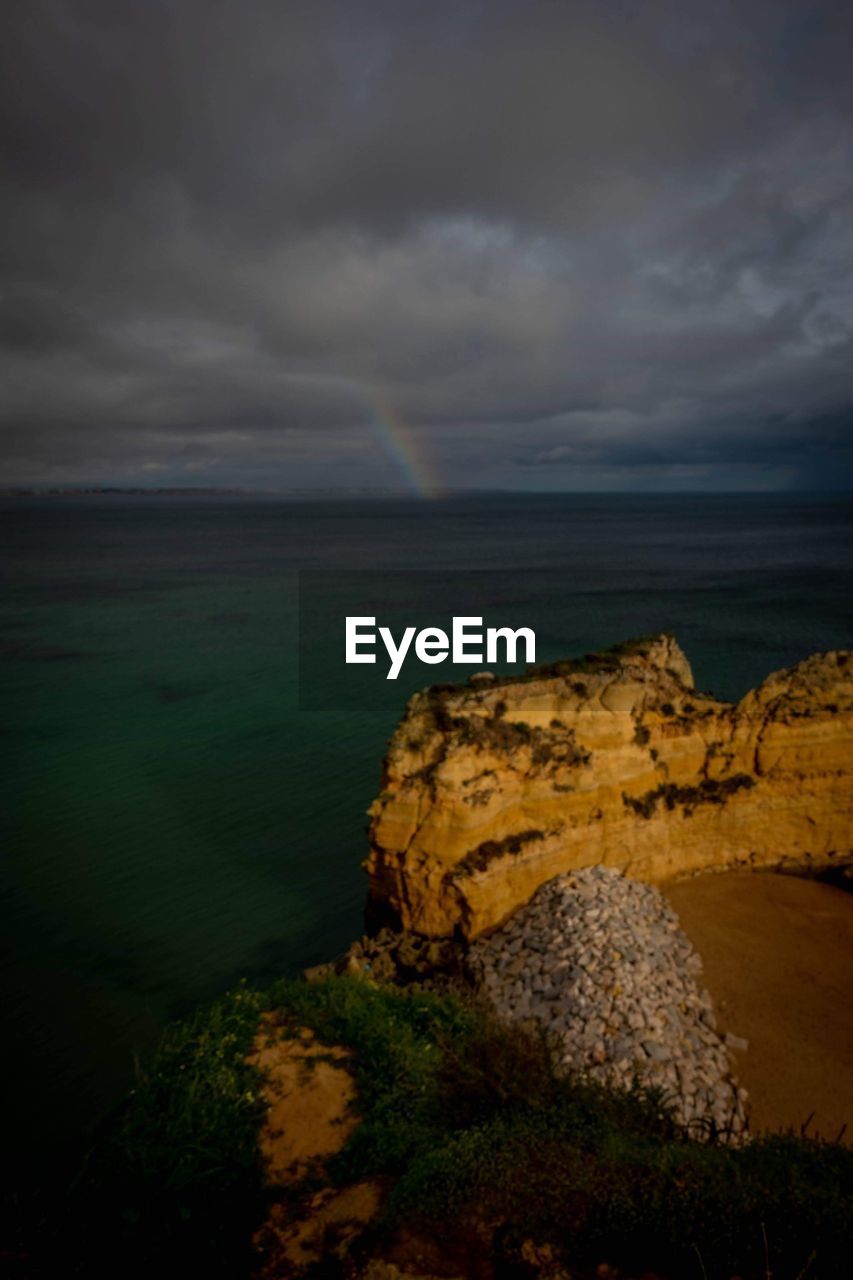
column 778, row 953
column 310, row 1096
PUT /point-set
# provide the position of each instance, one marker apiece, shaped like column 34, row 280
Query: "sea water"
column 175, row 817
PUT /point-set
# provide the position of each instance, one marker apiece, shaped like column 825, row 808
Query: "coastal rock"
column 622, row 1003
column 492, row 789
column 401, row 959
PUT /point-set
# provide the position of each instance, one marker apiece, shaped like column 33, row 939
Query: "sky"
column 427, row 245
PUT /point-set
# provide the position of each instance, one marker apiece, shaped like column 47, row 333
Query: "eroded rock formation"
column 493, row 788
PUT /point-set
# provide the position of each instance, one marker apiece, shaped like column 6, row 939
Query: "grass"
column 191, row 1119
column 466, row 1122
column 176, row 1174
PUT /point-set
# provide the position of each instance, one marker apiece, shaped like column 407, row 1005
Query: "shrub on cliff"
column 466, row 1122
column 176, row 1173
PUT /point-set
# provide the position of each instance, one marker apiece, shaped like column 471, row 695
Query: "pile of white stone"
column 599, row 962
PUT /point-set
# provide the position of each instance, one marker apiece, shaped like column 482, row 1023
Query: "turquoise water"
column 172, row 819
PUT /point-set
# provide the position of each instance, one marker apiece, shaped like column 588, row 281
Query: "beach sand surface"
column 778, row 957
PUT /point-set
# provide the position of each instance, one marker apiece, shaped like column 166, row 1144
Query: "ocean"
column 176, row 817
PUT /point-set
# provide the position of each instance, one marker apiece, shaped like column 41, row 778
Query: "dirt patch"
column 310, row 1095
column 324, row 1229
column 778, row 954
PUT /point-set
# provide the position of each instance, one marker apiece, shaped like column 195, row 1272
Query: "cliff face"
column 491, row 789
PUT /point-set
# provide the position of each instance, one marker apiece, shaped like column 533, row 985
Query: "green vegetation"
column 492, row 733
column 176, row 1177
column 465, row 1122
column 192, row 1114
column 590, row 664
column 708, row 791
column 478, row 859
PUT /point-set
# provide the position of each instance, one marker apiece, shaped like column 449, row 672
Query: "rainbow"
column 399, row 443
column 397, row 440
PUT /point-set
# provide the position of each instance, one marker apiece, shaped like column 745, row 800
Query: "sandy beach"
column 778, row 954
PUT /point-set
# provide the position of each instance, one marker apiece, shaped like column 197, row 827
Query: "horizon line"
column 358, row 491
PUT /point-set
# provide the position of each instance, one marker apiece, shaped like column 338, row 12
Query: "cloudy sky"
column 536, row 244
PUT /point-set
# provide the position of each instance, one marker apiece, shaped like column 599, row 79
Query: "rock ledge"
column 491, row 790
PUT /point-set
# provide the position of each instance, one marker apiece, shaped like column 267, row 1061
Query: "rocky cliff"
column 493, row 788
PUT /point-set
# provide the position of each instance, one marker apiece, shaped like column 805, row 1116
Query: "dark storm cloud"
column 569, row 244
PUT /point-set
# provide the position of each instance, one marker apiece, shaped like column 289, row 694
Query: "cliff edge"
column 491, row 789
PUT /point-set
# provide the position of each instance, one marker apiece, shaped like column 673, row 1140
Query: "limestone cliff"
column 491, row 789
